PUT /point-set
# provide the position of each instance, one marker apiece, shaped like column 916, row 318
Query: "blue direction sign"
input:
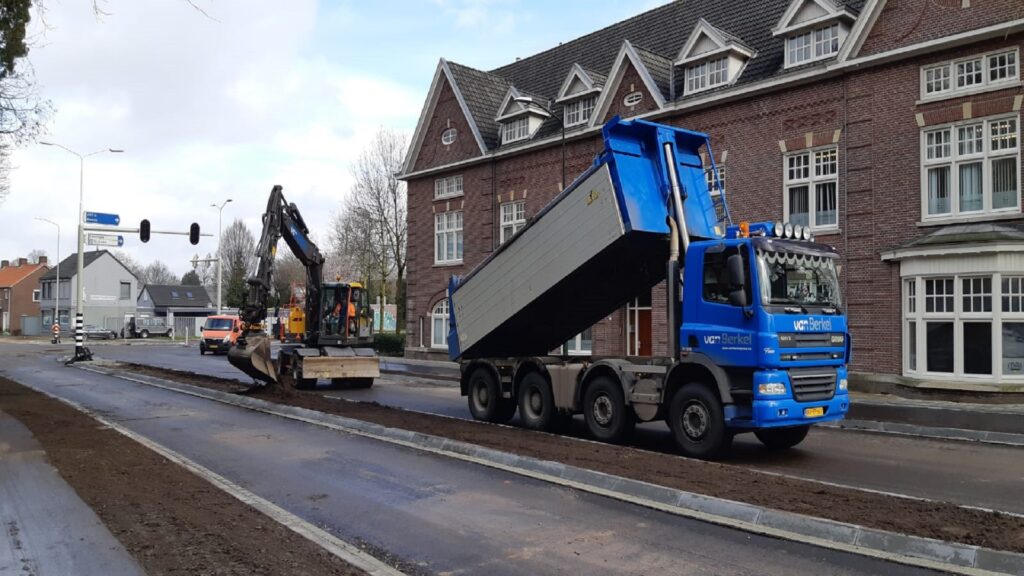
column 102, row 218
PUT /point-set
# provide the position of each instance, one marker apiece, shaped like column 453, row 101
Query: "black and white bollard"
column 81, row 352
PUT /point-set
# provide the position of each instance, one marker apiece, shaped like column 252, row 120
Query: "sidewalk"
column 46, row 527
column 999, row 423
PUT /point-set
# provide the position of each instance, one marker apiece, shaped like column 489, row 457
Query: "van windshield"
column 217, row 324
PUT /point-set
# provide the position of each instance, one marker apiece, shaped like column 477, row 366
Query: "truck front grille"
column 811, row 384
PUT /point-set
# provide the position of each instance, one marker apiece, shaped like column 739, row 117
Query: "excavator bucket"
column 252, row 356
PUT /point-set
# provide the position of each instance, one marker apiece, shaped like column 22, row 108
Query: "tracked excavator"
column 338, row 337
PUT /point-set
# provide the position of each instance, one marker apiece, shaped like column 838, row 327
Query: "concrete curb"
column 940, row 433
column 890, row 546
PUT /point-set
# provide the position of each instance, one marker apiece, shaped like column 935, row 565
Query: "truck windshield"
column 217, row 324
column 798, row 280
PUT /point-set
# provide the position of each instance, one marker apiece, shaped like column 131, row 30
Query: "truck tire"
column 485, row 401
column 300, row 382
column 144, row 334
column 782, row 438
column 605, row 411
column 697, row 421
column 536, row 402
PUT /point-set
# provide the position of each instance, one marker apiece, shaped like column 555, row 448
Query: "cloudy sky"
column 260, row 92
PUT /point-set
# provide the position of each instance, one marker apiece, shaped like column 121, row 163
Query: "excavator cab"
column 347, row 319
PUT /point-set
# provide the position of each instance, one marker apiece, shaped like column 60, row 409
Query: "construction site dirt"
column 929, row 519
column 170, row 520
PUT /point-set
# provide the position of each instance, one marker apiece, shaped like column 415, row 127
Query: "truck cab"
column 769, row 313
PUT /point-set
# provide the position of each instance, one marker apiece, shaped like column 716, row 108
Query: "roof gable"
column 629, row 57
column 12, row 275
column 579, row 82
column 707, row 40
column 510, row 107
column 806, row 13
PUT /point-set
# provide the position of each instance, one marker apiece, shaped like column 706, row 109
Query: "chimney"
column 43, row 260
column 22, row 261
column 4, row 263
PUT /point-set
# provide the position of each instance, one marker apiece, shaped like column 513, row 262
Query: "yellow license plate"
column 814, row 412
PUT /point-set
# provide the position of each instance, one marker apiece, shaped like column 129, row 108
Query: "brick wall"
column 447, row 114
column 905, row 22
column 631, row 82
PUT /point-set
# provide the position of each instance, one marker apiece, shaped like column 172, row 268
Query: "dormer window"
column 579, row 111
column 712, row 57
column 515, row 130
column 813, row 30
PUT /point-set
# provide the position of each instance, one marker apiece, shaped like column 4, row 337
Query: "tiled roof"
column 69, row 265
column 11, row 275
column 164, row 295
column 657, row 35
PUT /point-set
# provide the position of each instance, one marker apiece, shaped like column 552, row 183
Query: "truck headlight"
column 843, row 384
column 771, row 388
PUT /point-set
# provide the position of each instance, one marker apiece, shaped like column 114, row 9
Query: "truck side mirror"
column 737, row 281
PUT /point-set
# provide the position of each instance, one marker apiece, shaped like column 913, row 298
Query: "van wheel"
column 144, row 334
column 536, row 402
column 485, row 401
column 605, row 411
column 697, row 421
column 782, row 438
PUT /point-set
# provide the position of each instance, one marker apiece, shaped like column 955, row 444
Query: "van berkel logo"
column 813, row 324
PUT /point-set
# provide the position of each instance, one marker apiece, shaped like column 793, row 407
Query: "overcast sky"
column 262, row 92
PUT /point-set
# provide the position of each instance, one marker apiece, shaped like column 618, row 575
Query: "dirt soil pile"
column 170, row 520
column 943, row 521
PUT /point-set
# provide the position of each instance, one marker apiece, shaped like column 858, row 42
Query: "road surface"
column 444, row 515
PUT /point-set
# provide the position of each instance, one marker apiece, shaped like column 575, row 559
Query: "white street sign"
column 104, row 240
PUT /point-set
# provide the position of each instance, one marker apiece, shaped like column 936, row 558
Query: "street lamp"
column 528, row 100
column 220, row 237
column 56, row 297
column 80, row 352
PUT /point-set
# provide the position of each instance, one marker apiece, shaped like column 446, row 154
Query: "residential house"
column 891, row 128
column 110, row 291
column 19, row 295
column 161, row 300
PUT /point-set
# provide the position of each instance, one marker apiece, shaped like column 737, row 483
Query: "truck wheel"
column 300, row 382
column 144, row 334
column 782, row 438
column 697, row 421
column 605, row 411
column 536, row 402
column 485, row 401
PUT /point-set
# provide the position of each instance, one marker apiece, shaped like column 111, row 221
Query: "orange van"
column 219, row 334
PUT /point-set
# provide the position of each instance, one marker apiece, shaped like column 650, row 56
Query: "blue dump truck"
column 757, row 337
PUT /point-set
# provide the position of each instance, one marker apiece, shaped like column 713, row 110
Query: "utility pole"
column 220, row 238
column 80, row 351
column 56, row 297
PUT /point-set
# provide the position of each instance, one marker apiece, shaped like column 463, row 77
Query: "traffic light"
column 193, row 234
column 144, row 231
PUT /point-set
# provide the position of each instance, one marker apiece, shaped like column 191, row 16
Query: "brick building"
column 891, row 128
column 19, row 294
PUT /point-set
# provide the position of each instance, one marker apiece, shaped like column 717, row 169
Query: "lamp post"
column 220, row 238
column 528, row 100
column 80, row 351
column 56, row 297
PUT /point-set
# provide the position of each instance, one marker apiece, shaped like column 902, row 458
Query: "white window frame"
column 949, row 71
column 579, row 111
column 448, row 187
column 576, row 345
column 439, row 313
column 513, row 218
column 707, row 75
column 957, row 155
column 817, row 174
column 36, row 295
column 448, row 246
column 449, row 136
column 959, row 316
column 709, row 179
column 814, row 43
column 515, row 130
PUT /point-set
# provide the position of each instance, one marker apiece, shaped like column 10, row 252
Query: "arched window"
column 439, row 324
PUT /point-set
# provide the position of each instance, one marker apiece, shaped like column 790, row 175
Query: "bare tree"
column 33, row 256
column 287, row 270
column 237, row 248
column 371, row 229
column 207, row 273
column 156, row 272
column 137, row 269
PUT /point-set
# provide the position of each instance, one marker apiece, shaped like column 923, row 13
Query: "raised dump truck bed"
column 597, row 245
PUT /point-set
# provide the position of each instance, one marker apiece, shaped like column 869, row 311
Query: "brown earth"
column 940, row 520
column 170, row 520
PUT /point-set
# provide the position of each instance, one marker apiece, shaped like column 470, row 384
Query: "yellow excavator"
column 338, row 340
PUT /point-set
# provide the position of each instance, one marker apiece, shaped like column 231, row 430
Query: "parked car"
column 146, row 327
column 93, row 331
column 219, row 334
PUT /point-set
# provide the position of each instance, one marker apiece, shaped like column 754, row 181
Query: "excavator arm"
column 251, row 353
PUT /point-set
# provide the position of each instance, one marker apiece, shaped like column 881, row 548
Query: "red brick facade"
column 871, row 113
column 447, row 114
column 631, row 82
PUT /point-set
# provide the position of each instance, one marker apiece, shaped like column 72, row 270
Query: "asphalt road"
column 444, row 515
column 984, row 475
